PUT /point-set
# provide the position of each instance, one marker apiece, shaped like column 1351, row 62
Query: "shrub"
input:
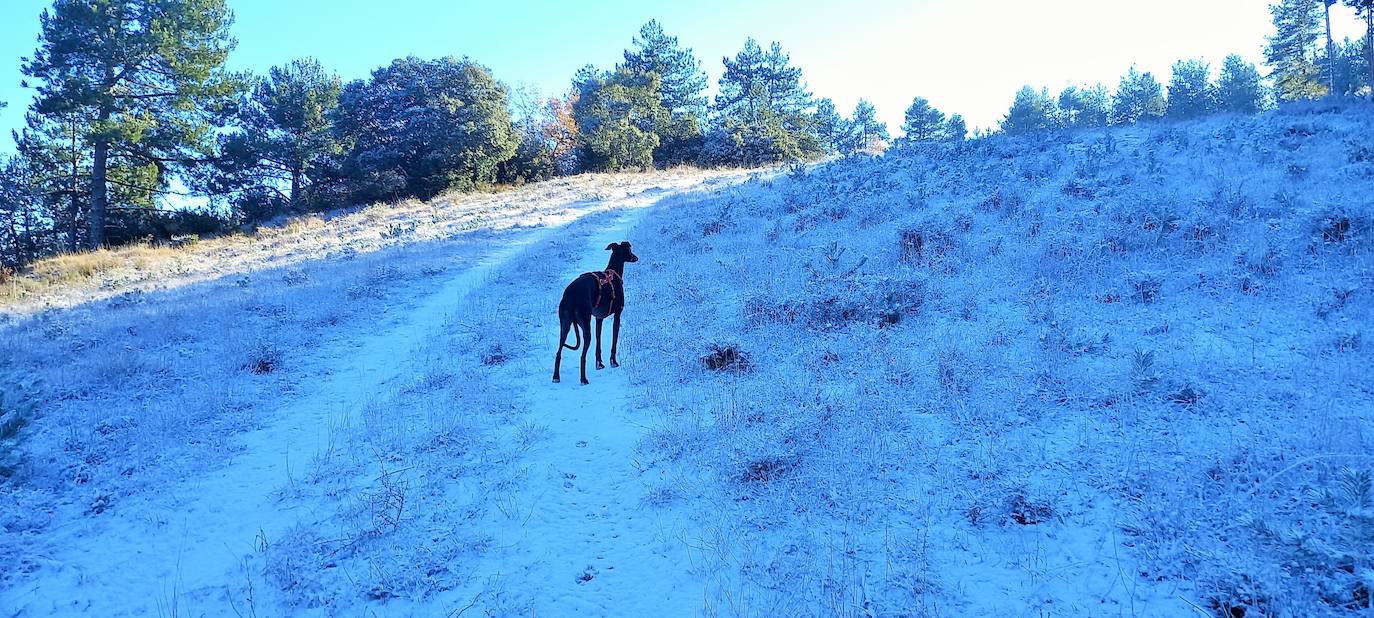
column 768, row 469
column 726, row 358
column 13, row 418
column 264, row 357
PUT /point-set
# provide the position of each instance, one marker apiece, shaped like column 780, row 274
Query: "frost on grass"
column 1143, row 345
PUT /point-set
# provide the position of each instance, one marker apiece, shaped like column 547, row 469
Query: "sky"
column 965, row 56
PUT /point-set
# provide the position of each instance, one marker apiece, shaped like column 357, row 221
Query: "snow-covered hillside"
column 1119, row 372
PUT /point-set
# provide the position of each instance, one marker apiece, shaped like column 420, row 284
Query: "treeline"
column 136, row 112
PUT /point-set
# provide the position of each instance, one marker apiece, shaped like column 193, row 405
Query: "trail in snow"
column 182, row 548
column 582, row 542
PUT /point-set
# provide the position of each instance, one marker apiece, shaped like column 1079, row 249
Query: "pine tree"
column 1292, row 49
column 1083, row 107
column 923, row 123
column 955, row 130
column 683, row 85
column 24, row 222
column 283, row 135
column 1365, row 8
column 1030, row 111
column 1238, row 88
column 1139, row 97
column 865, row 133
column 830, row 127
column 52, row 148
column 149, row 74
column 764, row 113
column 1191, row 94
column 679, row 71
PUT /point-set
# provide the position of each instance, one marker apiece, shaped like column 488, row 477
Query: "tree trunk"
column 1330, row 51
column 296, row 174
column 74, row 234
column 99, row 197
column 1369, row 46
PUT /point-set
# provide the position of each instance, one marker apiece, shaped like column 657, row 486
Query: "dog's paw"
column 601, row 366
column 614, row 364
column 584, row 383
column 556, row 380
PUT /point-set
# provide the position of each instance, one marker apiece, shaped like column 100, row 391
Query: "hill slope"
column 1116, row 372
column 1119, row 372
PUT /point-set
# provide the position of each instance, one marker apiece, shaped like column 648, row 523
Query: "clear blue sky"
column 966, row 56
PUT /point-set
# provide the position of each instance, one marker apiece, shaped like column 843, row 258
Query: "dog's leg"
column 615, row 338
column 586, row 324
column 599, row 364
column 562, row 337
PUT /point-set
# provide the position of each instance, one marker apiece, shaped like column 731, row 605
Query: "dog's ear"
column 625, row 244
column 610, row 247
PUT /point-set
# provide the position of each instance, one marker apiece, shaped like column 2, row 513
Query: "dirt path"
column 579, row 538
column 179, row 551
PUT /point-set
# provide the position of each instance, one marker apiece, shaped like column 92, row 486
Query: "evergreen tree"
column 1138, row 97
column 420, row 127
column 1030, row 111
column 1349, row 75
column 283, row 139
column 763, row 111
column 1191, row 94
column 1292, row 49
column 617, row 116
column 146, row 74
column 955, row 130
column 682, row 89
column 830, row 127
column 24, row 231
column 1365, row 9
column 865, row 133
column 1238, row 88
column 923, row 123
column 53, row 150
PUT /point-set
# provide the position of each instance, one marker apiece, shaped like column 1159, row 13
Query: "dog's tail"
column 578, row 333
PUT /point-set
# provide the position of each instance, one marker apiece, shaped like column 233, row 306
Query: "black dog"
column 594, row 295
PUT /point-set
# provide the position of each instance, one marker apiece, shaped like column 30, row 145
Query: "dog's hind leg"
column 563, row 326
column 615, row 338
column 586, row 325
column 599, row 364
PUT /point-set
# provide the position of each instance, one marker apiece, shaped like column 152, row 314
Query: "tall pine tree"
column 681, row 91
column 830, row 127
column 147, row 78
column 922, row 122
column 283, row 137
column 1293, row 49
column 955, row 129
column 1365, row 9
column 764, row 113
column 1238, row 88
column 1139, row 97
column 1030, row 111
column 865, row 133
column 1191, row 93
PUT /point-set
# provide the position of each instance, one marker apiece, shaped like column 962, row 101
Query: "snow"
column 1115, row 372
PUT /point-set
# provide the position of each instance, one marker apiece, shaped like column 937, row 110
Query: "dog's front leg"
column 599, row 364
column 615, row 338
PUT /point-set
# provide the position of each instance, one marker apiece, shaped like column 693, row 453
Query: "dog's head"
column 622, row 251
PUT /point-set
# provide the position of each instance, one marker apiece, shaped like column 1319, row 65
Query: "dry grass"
column 72, row 279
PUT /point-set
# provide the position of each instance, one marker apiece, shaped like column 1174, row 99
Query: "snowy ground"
column 1112, row 373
